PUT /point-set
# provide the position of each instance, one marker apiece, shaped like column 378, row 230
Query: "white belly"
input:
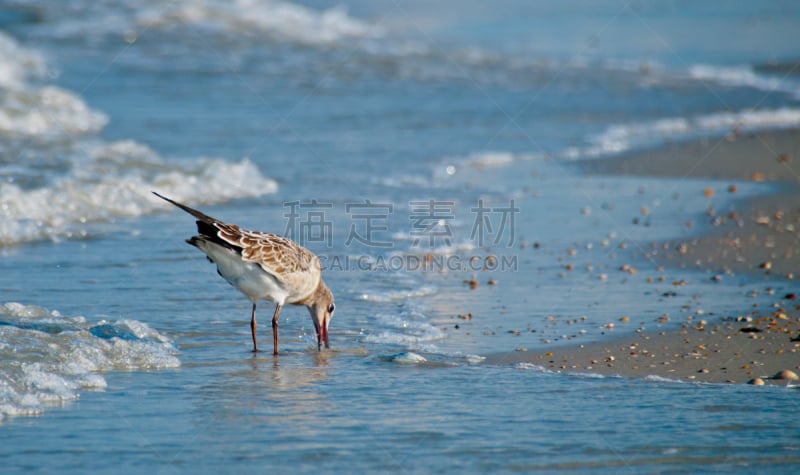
column 249, row 278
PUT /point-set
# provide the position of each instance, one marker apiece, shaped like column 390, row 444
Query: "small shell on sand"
column 786, row 375
column 756, row 382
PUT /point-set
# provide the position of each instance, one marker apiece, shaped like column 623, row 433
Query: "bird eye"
column 331, row 308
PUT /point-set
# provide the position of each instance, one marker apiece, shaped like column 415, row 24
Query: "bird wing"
column 276, row 254
column 281, row 257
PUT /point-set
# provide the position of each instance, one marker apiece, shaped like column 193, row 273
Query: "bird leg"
column 253, row 326
column 275, row 328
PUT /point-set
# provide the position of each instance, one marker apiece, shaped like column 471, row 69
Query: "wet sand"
column 763, row 156
column 759, row 237
column 713, row 352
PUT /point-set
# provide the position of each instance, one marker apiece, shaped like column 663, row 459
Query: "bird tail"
column 197, row 214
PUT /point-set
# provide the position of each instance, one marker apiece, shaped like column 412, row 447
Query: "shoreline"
column 758, row 237
column 715, row 352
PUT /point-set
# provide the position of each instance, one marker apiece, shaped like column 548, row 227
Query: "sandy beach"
column 755, row 237
column 759, row 236
column 754, row 351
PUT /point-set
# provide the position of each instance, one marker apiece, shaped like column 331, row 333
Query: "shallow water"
column 134, row 355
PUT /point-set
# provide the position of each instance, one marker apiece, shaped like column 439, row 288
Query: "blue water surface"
column 465, row 104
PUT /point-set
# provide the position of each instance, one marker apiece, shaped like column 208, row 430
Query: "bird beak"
column 322, row 334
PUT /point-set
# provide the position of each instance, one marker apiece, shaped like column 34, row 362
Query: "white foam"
column 17, row 63
column 407, row 357
column 114, row 180
column 279, row 20
column 474, row 359
column 623, row 137
column 750, row 119
column 619, row 138
column 55, row 176
column 283, row 20
column 47, row 113
column 397, row 295
column 532, row 367
column 47, row 358
column 743, row 76
column 661, row 379
column 35, row 112
column 406, row 329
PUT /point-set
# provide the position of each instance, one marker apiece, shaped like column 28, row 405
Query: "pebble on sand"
column 786, row 375
column 756, row 382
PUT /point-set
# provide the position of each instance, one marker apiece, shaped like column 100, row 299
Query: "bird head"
column 321, row 310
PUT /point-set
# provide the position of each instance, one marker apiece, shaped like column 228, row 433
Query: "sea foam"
column 276, row 20
column 284, row 20
column 95, row 191
column 623, row 137
column 408, row 328
column 744, row 76
column 57, row 177
column 48, row 358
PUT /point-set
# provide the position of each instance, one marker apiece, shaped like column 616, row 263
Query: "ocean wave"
column 29, row 111
column 47, row 358
column 56, row 176
column 623, row 137
column 276, row 20
column 744, row 76
column 46, row 114
column 282, row 20
column 334, row 42
column 114, row 180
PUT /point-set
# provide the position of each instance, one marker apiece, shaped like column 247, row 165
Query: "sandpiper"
column 265, row 266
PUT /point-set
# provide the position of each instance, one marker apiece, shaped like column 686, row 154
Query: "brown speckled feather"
column 276, row 254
